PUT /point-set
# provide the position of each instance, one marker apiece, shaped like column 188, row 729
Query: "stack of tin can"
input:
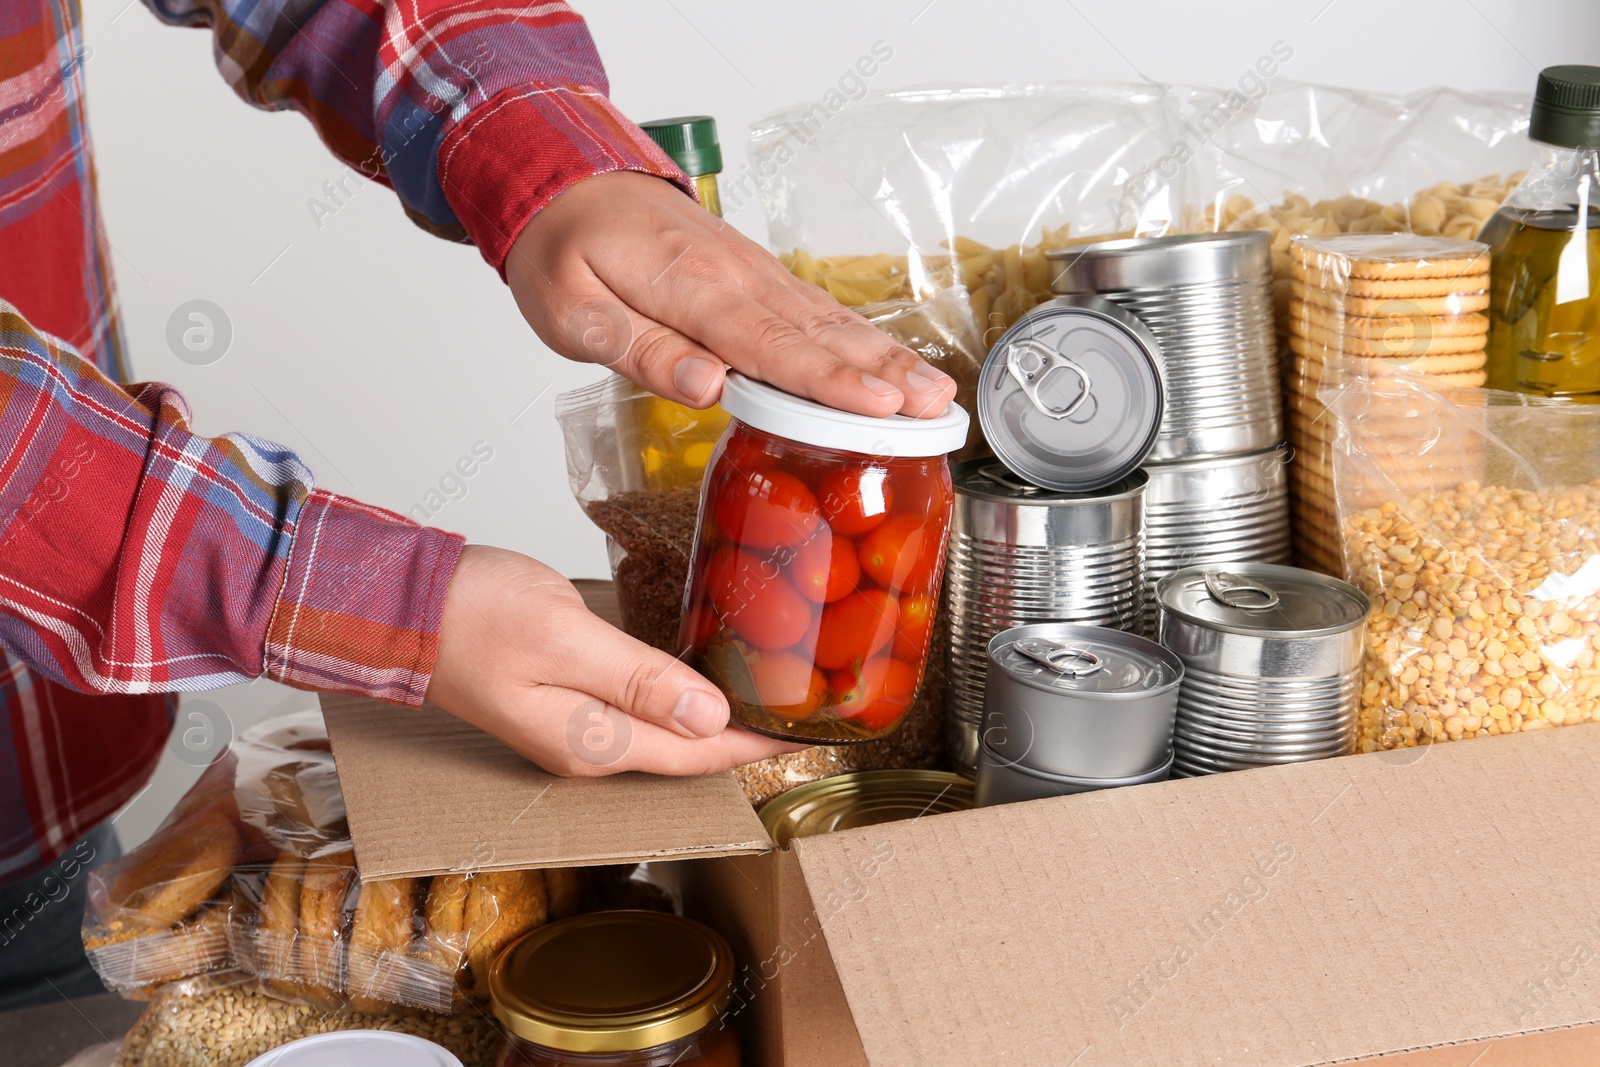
column 1218, row 470
column 1070, row 399
column 1137, row 425
column 1020, row 554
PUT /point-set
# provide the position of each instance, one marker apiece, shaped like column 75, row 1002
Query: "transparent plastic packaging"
column 1477, row 537
column 964, row 189
column 906, row 194
column 910, row 193
column 168, row 909
column 229, row 1019
column 649, row 530
column 1321, row 159
column 1377, row 304
column 254, row 872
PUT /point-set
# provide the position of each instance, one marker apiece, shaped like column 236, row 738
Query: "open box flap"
column 426, row 794
column 1284, row 917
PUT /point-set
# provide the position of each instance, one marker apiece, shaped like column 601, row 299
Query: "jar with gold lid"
column 616, row 989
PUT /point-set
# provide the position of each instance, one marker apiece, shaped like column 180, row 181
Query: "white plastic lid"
column 358, row 1048
column 810, row 423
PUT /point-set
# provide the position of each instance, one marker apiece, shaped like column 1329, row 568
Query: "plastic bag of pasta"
column 901, row 195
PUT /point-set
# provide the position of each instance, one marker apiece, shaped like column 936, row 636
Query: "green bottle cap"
column 1566, row 107
column 690, row 141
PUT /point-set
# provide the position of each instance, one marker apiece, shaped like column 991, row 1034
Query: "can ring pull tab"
column 1031, row 362
column 1055, row 656
column 1234, row 591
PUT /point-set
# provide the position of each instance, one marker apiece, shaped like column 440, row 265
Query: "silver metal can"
column 1272, row 665
column 1071, row 396
column 1207, row 298
column 1021, row 554
column 1223, row 510
column 1001, row 782
column 1080, row 701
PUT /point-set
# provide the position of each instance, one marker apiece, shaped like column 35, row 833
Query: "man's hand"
column 624, row 270
column 522, row 658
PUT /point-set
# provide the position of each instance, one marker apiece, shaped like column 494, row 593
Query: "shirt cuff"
column 360, row 605
column 514, row 153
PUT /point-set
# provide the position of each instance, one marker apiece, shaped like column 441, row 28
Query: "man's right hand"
column 522, row 658
column 624, row 270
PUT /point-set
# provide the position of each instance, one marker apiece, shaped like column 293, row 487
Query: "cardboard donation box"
column 1425, row 907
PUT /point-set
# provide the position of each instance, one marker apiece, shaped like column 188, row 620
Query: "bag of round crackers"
column 1471, row 518
column 1373, row 305
column 254, row 872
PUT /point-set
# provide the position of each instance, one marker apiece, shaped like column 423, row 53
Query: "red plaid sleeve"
column 137, row 556
column 511, row 157
column 476, row 112
column 360, row 604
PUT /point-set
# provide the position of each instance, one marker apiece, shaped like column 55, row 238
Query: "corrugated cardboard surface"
column 1285, row 917
column 427, row 793
column 787, row 1000
column 1578, row 1047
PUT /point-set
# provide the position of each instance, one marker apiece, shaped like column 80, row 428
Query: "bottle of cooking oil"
column 674, row 442
column 1544, row 311
column 692, row 143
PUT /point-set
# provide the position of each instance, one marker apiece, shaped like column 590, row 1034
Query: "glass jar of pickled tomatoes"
column 817, row 562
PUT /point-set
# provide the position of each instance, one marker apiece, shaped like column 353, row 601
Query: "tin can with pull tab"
column 1272, row 664
column 1080, row 701
column 1071, row 396
column 1207, row 299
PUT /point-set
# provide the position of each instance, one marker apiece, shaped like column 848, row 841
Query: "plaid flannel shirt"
column 138, row 559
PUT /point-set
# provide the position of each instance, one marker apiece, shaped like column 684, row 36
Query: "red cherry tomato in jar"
column 911, row 633
column 765, row 508
column 825, row 568
column 745, row 453
column 857, row 687
column 855, row 628
column 877, row 694
column 786, row 686
column 901, row 553
column 854, row 501
column 699, row 627
column 752, row 597
column 920, row 491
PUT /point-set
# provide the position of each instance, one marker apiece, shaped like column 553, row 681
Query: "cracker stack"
column 1375, row 305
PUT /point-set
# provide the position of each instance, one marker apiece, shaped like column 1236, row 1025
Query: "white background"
column 382, row 354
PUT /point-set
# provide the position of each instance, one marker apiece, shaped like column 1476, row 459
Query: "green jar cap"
column 690, row 141
column 1566, row 107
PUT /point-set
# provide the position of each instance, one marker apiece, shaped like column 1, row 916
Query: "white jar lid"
column 358, row 1048
column 810, row 423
